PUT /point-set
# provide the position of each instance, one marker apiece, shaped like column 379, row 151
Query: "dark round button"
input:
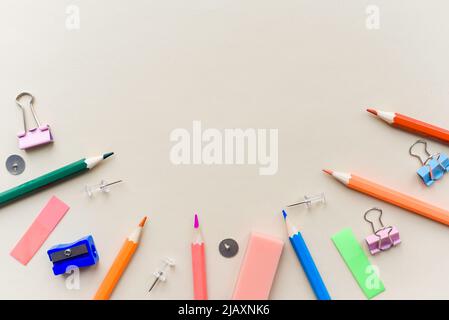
column 15, row 164
column 228, row 248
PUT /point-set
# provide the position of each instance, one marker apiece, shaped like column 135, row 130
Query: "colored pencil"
column 120, row 263
column 306, row 260
column 416, row 126
column 198, row 263
column 63, row 173
column 391, row 196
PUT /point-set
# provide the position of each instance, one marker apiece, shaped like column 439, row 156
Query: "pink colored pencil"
column 198, row 264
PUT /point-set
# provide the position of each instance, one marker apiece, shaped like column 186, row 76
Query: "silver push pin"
column 102, row 187
column 308, row 201
column 161, row 273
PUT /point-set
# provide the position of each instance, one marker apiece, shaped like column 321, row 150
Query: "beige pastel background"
column 136, row 70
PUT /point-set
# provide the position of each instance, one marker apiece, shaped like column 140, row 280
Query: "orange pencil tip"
column 142, row 223
column 373, row 111
column 328, row 171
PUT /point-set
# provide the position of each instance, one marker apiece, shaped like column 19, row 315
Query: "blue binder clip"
column 434, row 166
column 81, row 253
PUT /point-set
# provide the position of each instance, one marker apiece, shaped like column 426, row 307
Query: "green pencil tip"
column 107, row 155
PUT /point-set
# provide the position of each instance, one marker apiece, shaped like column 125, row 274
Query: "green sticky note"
column 355, row 258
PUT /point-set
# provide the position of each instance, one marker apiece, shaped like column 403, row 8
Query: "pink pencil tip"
column 328, row 171
column 196, row 223
column 373, row 111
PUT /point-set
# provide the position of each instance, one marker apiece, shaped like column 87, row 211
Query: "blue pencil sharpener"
column 81, row 253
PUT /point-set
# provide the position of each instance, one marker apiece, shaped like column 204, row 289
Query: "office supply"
column 198, row 263
column 416, row 126
column 391, row 196
column 81, row 253
column 228, row 248
column 39, row 230
column 434, row 166
column 161, row 272
column 120, row 263
column 39, row 135
column 258, row 268
column 308, row 201
column 103, row 187
column 364, row 273
column 63, row 173
column 306, row 260
column 383, row 238
column 15, row 164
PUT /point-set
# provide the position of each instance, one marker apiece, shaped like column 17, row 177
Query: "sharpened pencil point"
column 142, row 223
column 107, row 155
column 328, row 171
column 196, row 224
column 372, row 111
column 284, row 214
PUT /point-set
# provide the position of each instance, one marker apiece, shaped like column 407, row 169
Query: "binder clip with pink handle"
column 34, row 137
column 383, row 238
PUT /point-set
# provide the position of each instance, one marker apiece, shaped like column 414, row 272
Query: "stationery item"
column 258, row 268
column 120, row 263
column 39, row 230
column 306, row 260
column 15, row 164
column 391, row 196
column 198, row 263
column 47, row 179
column 103, row 187
column 434, row 166
column 364, row 273
column 416, row 126
column 81, row 253
column 308, row 201
column 382, row 238
column 39, row 135
column 161, row 272
column 228, row 248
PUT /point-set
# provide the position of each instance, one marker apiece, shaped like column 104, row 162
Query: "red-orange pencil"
column 406, row 123
column 391, row 196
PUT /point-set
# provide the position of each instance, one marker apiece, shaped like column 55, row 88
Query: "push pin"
column 15, row 164
column 308, row 201
column 39, row 135
column 383, row 238
column 102, row 187
column 434, row 166
column 161, row 273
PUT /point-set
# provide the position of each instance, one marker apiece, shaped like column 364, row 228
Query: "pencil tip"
column 142, row 223
column 328, row 171
column 196, row 224
column 284, row 214
column 373, row 111
column 107, row 155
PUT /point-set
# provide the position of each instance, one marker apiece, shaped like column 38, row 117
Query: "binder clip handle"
column 36, row 119
column 371, row 222
column 415, row 155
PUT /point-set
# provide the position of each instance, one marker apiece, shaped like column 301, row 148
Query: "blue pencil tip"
column 284, row 214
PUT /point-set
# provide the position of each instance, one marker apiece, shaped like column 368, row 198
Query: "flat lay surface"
column 125, row 76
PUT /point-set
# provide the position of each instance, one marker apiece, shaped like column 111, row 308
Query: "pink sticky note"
column 258, row 268
column 39, row 231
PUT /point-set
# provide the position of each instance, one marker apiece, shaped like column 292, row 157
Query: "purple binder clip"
column 382, row 239
column 36, row 136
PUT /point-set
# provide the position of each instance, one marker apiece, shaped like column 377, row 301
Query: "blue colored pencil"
column 306, row 260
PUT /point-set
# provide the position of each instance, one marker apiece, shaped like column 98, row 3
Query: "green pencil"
column 60, row 174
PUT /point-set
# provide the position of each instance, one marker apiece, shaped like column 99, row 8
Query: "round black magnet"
column 15, row 164
column 228, row 248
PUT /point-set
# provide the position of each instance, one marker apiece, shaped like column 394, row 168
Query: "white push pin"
column 102, row 187
column 308, row 201
column 161, row 273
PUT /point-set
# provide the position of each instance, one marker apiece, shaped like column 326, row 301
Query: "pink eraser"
column 258, row 268
column 39, row 230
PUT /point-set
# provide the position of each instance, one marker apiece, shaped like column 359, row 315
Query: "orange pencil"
column 391, row 196
column 406, row 123
column 198, row 264
column 120, row 263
